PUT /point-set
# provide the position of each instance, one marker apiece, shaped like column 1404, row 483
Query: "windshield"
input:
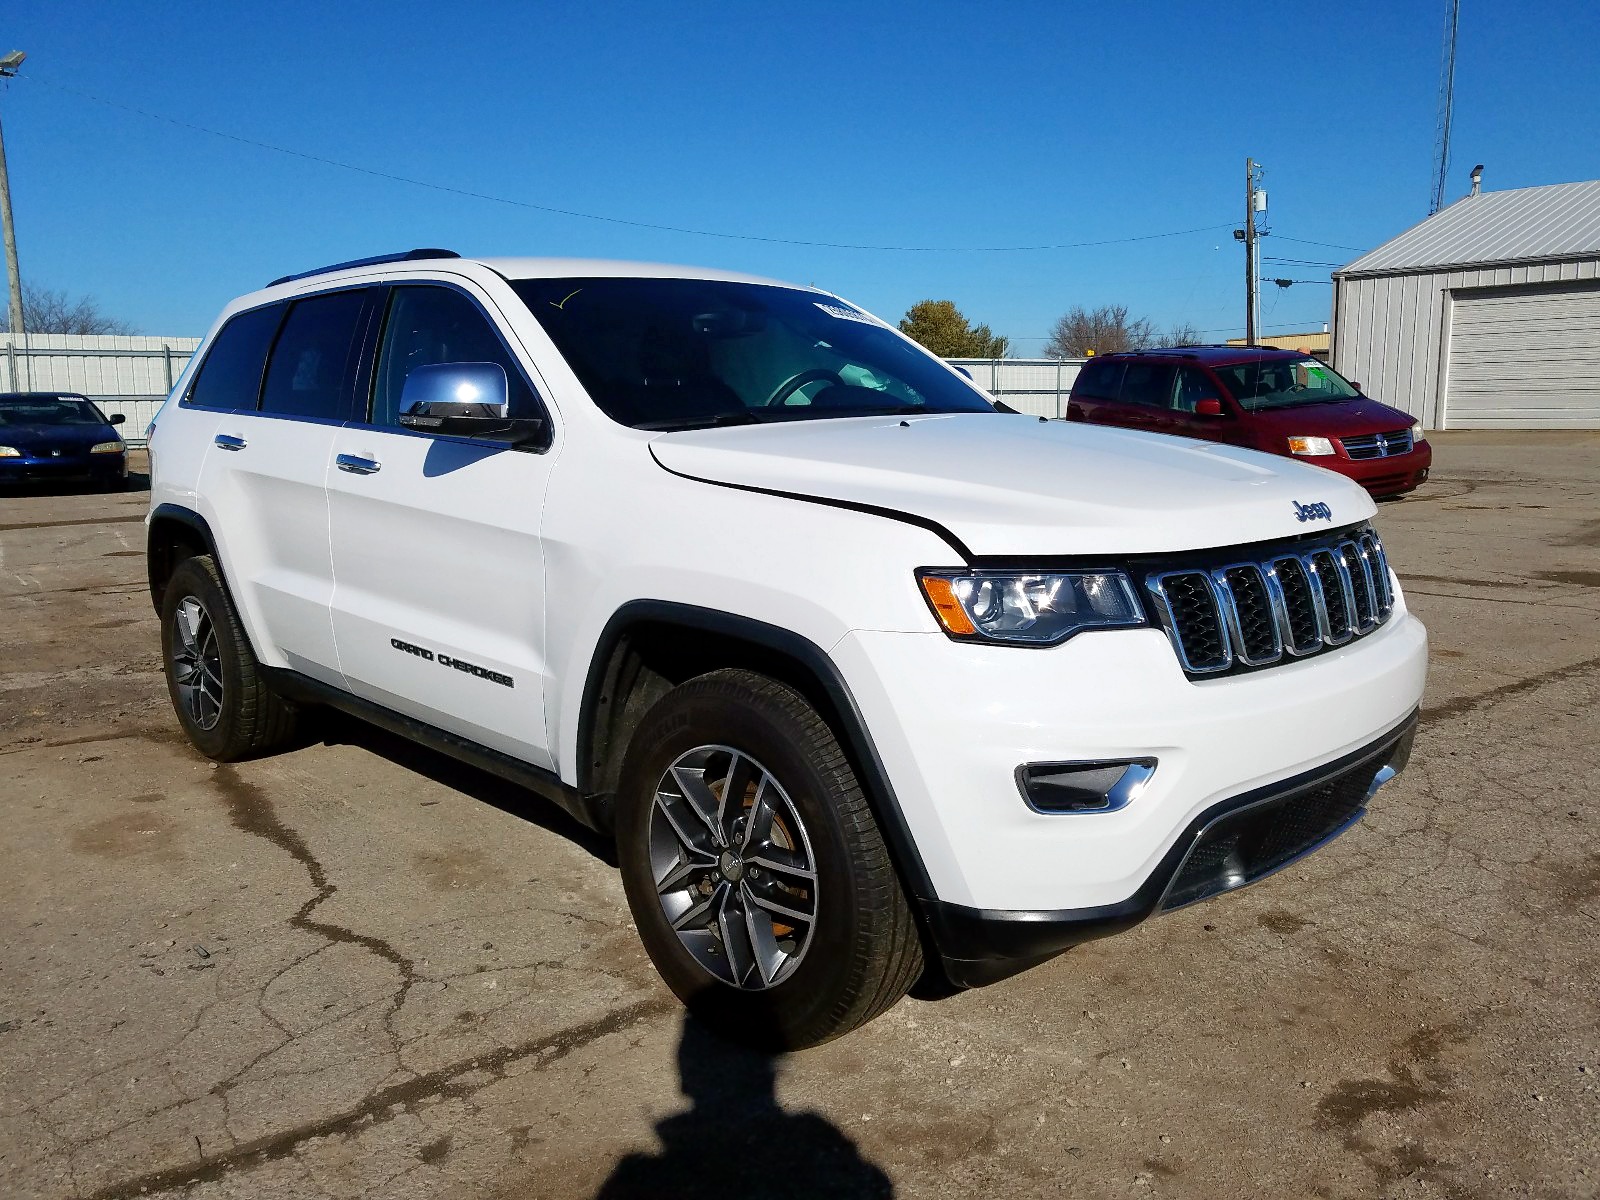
column 48, row 410
column 685, row 353
column 1284, row 383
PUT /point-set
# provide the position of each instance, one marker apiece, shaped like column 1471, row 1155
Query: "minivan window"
column 230, row 376
column 1285, row 383
column 1148, row 384
column 682, row 353
column 1194, row 385
column 310, row 365
column 431, row 325
column 1098, row 381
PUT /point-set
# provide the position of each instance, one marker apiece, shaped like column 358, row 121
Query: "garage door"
column 1524, row 359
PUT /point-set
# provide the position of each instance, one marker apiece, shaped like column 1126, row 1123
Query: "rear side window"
column 230, row 376
column 309, row 372
column 432, row 325
column 1098, row 381
column 1147, row 383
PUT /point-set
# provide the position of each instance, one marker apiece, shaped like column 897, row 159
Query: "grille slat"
column 1378, row 445
column 1253, row 614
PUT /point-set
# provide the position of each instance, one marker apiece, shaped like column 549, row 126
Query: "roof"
column 1215, row 356
column 1561, row 220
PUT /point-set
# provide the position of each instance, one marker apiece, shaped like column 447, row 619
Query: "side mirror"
column 964, row 371
column 1356, row 386
column 470, row 399
column 1208, row 407
column 115, row 419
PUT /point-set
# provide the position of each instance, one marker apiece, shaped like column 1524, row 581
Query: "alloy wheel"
column 733, row 867
column 197, row 664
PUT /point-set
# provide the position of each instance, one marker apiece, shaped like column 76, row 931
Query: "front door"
column 438, row 609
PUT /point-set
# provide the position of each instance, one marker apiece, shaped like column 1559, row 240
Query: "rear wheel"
column 757, row 876
column 217, row 688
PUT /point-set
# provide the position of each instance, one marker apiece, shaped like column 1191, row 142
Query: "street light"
column 8, row 68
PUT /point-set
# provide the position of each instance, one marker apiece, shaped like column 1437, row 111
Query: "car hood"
column 62, row 437
column 1016, row 486
column 1347, row 418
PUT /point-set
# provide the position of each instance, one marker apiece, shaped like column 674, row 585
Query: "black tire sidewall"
column 811, row 1001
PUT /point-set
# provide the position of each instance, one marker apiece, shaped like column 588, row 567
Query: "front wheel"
column 757, row 877
column 222, row 700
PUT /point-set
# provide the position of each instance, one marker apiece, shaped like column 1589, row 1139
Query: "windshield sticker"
column 845, row 314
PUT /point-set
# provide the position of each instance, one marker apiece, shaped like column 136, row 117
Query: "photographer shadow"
column 735, row 1140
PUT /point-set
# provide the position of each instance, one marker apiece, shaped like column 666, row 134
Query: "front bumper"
column 1232, row 844
column 76, row 468
column 1383, row 476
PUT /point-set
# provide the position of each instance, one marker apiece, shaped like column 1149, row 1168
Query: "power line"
column 1298, row 262
column 588, row 216
column 1307, row 242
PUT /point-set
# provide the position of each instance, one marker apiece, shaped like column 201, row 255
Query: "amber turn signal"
column 941, row 594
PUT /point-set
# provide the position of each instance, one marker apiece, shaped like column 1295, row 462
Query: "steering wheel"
column 795, row 382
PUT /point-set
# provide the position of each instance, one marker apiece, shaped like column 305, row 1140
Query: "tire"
column 216, row 686
column 764, row 956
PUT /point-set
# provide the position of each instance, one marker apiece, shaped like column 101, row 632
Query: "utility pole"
column 1255, row 200
column 8, row 68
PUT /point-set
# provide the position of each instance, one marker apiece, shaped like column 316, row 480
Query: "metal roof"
column 1561, row 220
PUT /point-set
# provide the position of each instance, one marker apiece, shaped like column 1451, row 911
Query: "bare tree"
column 49, row 310
column 1103, row 330
column 1181, row 334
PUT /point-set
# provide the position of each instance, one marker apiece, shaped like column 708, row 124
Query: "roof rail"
column 375, row 260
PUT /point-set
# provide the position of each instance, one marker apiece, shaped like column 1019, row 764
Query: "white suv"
column 871, row 681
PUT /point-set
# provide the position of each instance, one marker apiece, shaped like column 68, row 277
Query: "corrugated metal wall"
column 1390, row 332
column 130, row 375
column 1038, row 386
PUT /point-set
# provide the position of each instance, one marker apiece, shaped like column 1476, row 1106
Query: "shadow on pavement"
column 735, row 1141
column 334, row 729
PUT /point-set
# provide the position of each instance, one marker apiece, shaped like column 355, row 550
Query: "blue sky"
column 917, row 124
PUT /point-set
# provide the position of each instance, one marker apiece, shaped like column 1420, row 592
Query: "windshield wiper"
column 711, row 422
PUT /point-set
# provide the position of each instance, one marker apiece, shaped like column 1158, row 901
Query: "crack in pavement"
column 1461, row 705
column 450, row 1082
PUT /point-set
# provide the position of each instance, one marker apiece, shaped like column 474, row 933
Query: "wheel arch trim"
column 809, row 658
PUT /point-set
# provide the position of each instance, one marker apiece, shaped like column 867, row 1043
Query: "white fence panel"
column 130, row 375
column 1037, row 386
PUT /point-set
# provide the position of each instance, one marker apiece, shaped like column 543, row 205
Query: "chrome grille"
column 1255, row 613
column 1378, row 445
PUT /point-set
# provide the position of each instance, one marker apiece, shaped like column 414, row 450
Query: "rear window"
column 230, row 376
column 1098, row 381
column 310, row 368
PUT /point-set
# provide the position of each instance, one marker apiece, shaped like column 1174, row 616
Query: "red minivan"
column 1280, row 401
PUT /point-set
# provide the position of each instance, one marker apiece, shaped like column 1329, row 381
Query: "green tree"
column 939, row 326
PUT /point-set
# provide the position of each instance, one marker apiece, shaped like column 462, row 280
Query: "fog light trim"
column 1083, row 788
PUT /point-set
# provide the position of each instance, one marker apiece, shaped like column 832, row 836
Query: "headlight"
column 108, row 448
column 1416, row 431
column 1310, row 445
column 1029, row 609
column 10, row 452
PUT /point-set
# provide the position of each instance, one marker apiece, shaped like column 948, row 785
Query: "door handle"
column 357, row 465
column 227, row 441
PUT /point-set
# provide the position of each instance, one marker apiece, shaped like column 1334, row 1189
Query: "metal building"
column 1486, row 315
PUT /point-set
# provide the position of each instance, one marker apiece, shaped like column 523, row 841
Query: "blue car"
column 59, row 437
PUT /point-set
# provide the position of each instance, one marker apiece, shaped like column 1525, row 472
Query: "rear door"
column 1094, row 392
column 439, row 608
column 1145, row 398
column 265, row 476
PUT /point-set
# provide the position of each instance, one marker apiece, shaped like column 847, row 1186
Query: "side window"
column 1194, row 386
column 309, row 372
column 1098, row 381
column 430, row 325
column 1148, row 384
column 230, row 376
